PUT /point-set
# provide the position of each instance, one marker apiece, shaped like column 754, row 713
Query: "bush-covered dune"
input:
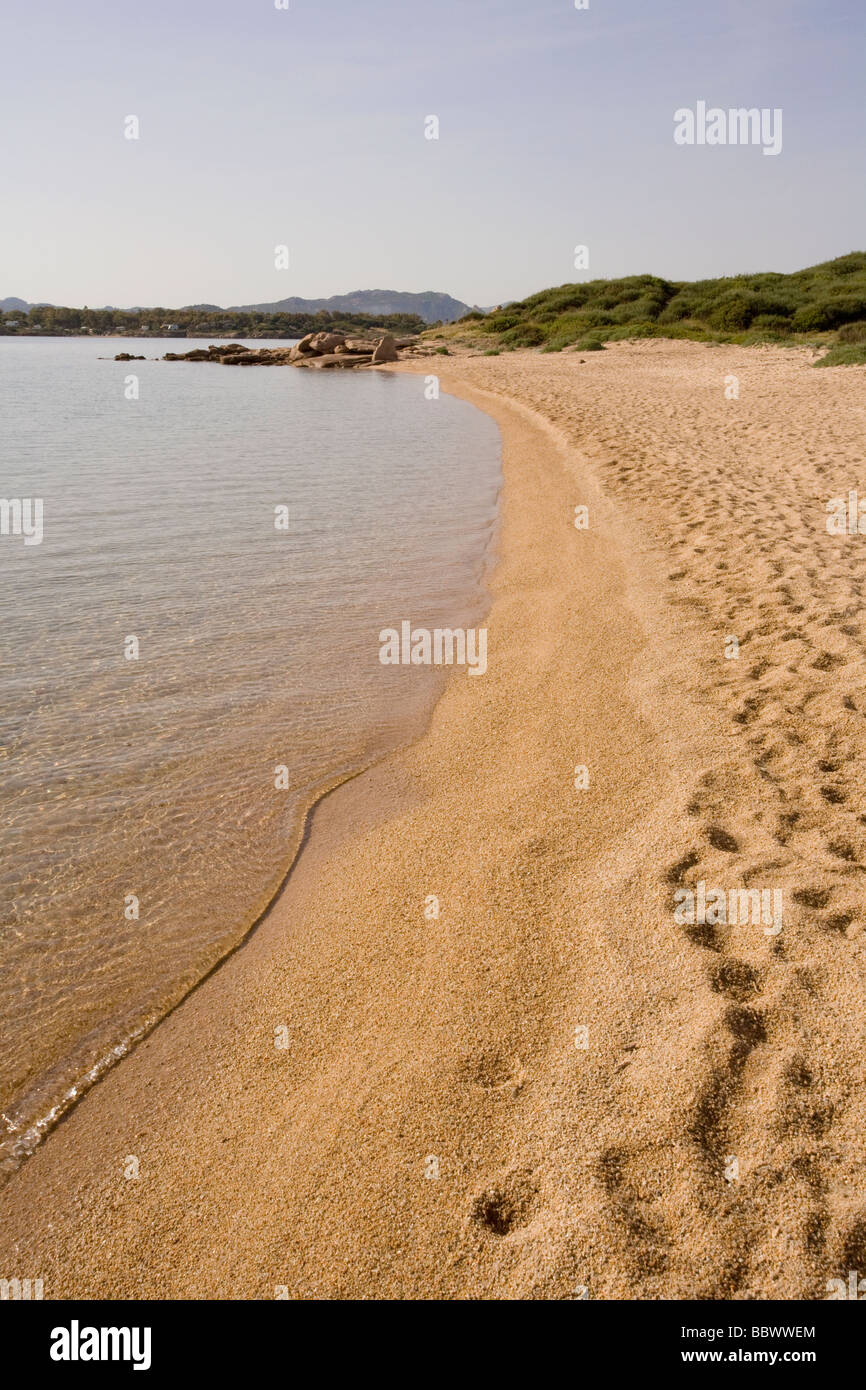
column 824, row 305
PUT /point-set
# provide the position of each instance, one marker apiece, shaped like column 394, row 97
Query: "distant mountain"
column 429, row 305
column 20, row 306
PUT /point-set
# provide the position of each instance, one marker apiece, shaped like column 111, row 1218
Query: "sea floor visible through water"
column 191, row 655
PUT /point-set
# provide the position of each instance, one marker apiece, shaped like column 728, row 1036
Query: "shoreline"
column 454, row 1039
column 337, row 831
column 18, row 1146
column 38, row 1130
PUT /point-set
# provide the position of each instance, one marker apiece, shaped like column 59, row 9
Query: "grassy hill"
column 824, row 306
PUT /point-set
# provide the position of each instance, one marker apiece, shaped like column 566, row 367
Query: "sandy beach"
column 556, row 1084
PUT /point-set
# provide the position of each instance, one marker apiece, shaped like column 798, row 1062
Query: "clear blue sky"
column 306, row 127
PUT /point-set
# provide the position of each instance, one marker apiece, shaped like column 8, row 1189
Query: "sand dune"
column 555, row 1085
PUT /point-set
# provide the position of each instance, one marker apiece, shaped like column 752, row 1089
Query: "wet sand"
column 554, row 1084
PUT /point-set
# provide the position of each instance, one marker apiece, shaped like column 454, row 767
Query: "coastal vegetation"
column 824, row 305
column 197, row 321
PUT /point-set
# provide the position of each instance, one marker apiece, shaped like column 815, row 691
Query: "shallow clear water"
column 154, row 777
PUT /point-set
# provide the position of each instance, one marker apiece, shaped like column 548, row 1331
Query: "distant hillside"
column 430, row 306
column 808, row 305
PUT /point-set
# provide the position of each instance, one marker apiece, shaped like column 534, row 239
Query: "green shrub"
column 772, row 323
column 555, row 302
column 634, row 330
column 525, row 335
column 852, row 332
column 444, row 351
column 829, row 313
column 500, row 323
column 680, row 307
column 733, row 311
column 813, row 318
column 636, row 310
column 853, row 307
column 850, row 355
column 590, row 345
column 843, row 265
column 575, row 325
column 755, row 336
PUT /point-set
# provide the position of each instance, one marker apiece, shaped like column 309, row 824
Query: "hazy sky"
column 305, row 127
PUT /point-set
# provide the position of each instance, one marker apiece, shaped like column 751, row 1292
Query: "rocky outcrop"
column 385, row 350
column 321, row 350
column 233, row 355
column 325, row 342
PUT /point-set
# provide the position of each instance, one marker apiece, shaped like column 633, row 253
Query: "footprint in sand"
column 505, row 1207
column 736, row 979
column 721, row 839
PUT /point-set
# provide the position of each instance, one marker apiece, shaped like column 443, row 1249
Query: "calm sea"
column 143, row 830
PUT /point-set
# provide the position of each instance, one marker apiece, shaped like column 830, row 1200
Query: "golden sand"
column 554, row 1085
